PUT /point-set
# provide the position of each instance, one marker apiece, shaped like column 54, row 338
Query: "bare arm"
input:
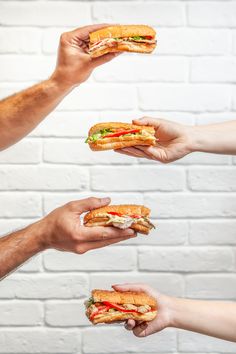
column 22, row 112
column 177, row 140
column 216, row 138
column 61, row 230
column 212, row 318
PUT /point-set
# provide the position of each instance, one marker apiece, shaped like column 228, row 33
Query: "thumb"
column 91, row 203
column 147, row 121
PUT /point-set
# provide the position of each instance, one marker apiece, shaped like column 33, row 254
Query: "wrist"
column 173, row 311
column 41, row 232
column 61, row 83
column 197, row 140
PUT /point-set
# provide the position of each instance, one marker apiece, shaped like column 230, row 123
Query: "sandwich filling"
column 123, row 221
column 113, row 42
column 99, row 309
column 117, row 132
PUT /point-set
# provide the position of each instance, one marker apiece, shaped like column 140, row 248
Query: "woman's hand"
column 163, row 319
column 173, row 141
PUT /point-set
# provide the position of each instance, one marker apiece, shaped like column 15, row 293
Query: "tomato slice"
column 135, row 216
column 122, row 132
column 100, row 309
column 114, row 213
column 148, row 37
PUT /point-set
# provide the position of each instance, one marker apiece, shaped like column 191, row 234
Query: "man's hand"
column 62, row 228
column 74, row 64
column 163, row 319
column 173, row 141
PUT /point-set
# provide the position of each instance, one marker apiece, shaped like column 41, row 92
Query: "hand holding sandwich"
column 61, row 230
column 174, row 140
column 74, row 64
column 212, row 318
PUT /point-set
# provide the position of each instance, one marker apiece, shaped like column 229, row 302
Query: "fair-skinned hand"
column 62, row 229
column 74, row 64
column 172, row 144
column 144, row 329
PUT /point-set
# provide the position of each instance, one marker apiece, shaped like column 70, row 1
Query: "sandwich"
column 131, row 216
column 129, row 38
column 110, row 306
column 115, row 135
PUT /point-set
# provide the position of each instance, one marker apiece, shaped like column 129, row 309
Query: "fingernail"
column 106, row 200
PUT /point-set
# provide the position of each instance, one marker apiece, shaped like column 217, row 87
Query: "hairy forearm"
column 213, row 318
column 18, row 247
column 23, row 111
column 215, row 138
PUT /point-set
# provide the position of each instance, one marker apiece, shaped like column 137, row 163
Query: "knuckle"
column 63, row 37
column 80, row 249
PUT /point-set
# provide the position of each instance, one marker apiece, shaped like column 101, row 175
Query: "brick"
column 184, row 205
column 169, row 13
column 137, row 178
column 16, row 205
column 32, row 265
column 51, row 39
column 75, row 151
column 171, row 284
column 21, row 313
column 44, row 286
column 66, row 124
column 25, row 68
column 40, row 340
column 213, row 70
column 117, row 258
column 20, row 40
column 43, row 178
column 141, row 69
column 200, row 13
column 65, row 314
column 178, row 117
column 212, row 232
column 176, row 97
column 211, row 286
column 186, row 259
column 100, row 97
column 212, row 179
column 193, row 342
column 212, row 118
column 9, row 225
column 37, row 14
column 193, row 41
column 54, row 200
column 8, row 89
column 167, row 232
column 199, row 158
column 103, row 340
column 28, row 151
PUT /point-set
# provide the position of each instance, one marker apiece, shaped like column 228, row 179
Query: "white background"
column 189, row 79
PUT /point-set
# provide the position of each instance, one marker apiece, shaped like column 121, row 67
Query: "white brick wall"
column 189, row 79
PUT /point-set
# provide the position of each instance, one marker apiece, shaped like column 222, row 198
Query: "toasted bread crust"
column 126, row 209
column 121, row 32
column 144, row 48
column 119, row 316
column 126, row 297
column 120, row 144
column 118, row 125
